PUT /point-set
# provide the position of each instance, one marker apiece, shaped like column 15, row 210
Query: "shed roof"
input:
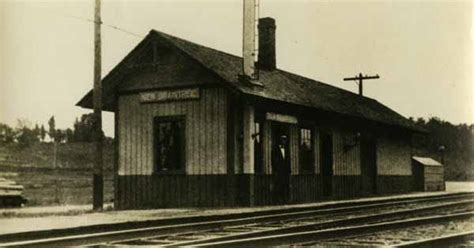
column 277, row 84
column 427, row 161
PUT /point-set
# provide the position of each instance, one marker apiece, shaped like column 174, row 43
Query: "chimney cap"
column 267, row 21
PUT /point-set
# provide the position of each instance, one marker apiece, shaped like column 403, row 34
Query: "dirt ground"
column 459, row 186
column 45, row 187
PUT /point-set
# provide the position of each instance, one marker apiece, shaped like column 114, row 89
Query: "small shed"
column 11, row 194
column 428, row 173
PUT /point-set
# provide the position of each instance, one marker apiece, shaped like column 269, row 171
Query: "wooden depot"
column 192, row 131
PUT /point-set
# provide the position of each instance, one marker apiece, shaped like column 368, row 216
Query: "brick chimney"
column 266, row 44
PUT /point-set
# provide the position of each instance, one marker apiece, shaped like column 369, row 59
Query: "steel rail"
column 308, row 237
column 30, row 235
column 96, row 235
column 323, row 224
column 443, row 241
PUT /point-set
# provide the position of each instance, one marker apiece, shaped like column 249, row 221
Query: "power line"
column 105, row 24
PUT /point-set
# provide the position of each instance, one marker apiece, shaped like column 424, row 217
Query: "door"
column 169, row 144
column 368, row 165
column 326, row 163
column 281, row 165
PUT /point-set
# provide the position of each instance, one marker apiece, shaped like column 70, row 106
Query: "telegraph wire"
column 105, row 24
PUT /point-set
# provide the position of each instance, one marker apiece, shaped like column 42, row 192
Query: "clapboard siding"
column 206, row 137
column 393, row 155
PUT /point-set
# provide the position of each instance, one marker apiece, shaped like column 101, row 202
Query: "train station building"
column 194, row 129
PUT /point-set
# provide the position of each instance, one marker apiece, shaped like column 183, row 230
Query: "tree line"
column 453, row 142
column 25, row 134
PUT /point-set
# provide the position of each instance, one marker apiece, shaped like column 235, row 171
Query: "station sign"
column 282, row 118
column 170, row 95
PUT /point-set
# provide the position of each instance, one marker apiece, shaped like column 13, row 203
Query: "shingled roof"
column 278, row 85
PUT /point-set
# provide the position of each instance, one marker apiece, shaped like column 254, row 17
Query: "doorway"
column 281, row 163
column 326, row 164
column 368, row 165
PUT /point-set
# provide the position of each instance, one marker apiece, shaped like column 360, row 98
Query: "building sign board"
column 282, row 118
column 170, row 95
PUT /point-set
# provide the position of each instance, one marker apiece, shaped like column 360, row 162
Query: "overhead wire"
column 106, row 25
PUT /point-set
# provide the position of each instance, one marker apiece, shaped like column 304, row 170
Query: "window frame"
column 162, row 119
column 302, row 168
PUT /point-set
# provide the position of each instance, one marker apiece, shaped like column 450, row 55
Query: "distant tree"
column 37, row 131
column 7, row 134
column 83, row 131
column 42, row 133
column 458, row 143
column 420, row 121
column 52, row 128
column 26, row 136
column 69, row 135
column 60, row 135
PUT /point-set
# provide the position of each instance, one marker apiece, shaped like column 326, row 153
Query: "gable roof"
column 278, row 85
column 426, row 161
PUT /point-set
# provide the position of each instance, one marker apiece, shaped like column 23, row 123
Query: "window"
column 258, row 149
column 306, row 151
column 169, row 144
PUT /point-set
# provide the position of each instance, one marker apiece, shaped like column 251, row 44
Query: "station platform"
column 33, row 219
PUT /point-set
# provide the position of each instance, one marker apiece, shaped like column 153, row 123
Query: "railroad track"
column 269, row 234
column 310, row 237
column 443, row 241
column 263, row 227
column 436, row 232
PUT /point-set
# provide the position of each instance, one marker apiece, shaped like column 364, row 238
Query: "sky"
column 422, row 50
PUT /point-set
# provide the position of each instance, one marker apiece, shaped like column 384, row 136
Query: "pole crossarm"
column 363, row 78
column 360, row 78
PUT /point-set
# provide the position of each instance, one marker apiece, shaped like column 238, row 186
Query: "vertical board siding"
column 395, row 184
column 205, row 133
column 393, row 156
column 267, row 144
column 237, row 112
column 149, row 138
column 317, row 155
column 248, row 130
column 305, row 188
column 222, row 129
column 294, row 149
column 346, row 162
column 346, row 186
column 121, row 145
column 165, row 191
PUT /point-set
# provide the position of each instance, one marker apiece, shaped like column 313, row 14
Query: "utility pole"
column 360, row 79
column 98, row 178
